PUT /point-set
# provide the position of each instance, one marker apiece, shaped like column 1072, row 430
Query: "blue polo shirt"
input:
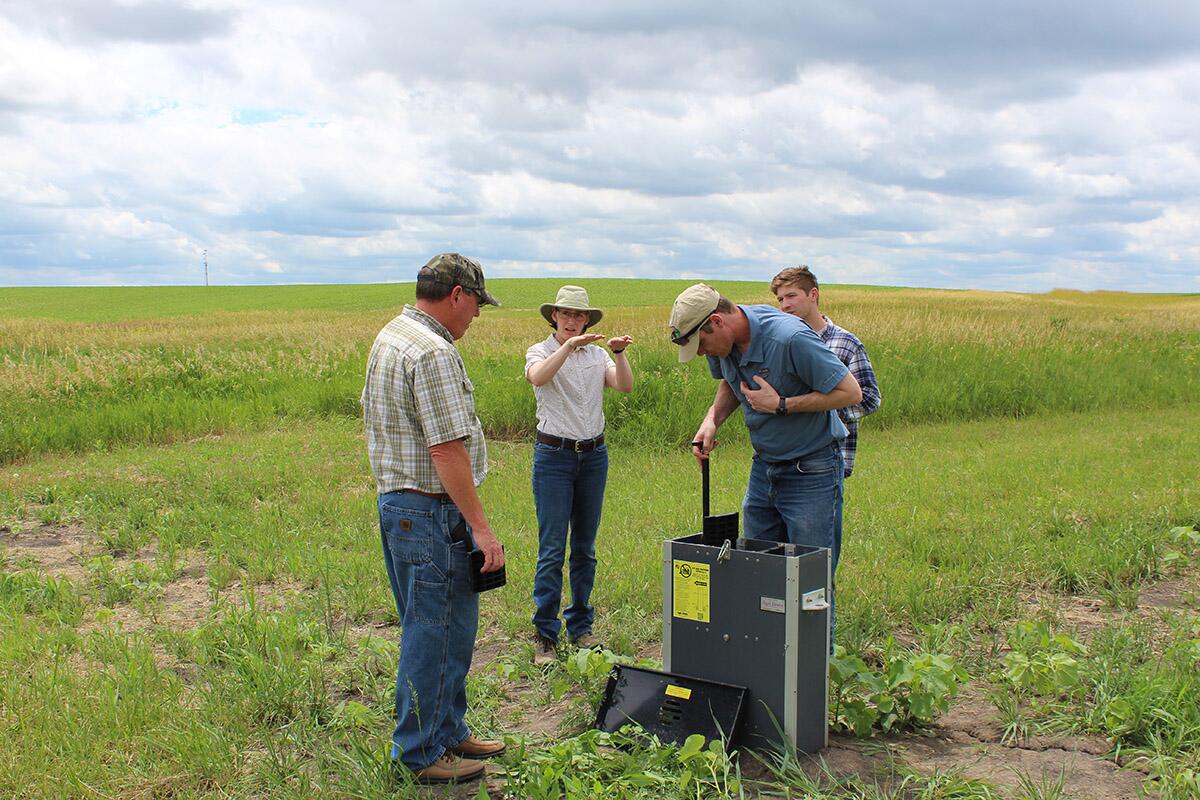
column 793, row 359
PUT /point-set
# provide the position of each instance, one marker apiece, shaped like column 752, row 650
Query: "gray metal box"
column 755, row 615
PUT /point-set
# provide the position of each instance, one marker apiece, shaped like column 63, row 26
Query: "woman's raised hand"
column 619, row 342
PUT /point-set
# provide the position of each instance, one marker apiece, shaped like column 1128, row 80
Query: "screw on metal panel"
column 725, row 638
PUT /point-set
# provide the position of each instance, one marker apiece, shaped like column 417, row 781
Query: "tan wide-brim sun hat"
column 574, row 298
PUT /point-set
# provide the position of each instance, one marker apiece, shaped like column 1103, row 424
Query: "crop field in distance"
column 193, row 602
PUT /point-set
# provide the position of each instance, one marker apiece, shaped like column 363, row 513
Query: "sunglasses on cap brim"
column 683, row 338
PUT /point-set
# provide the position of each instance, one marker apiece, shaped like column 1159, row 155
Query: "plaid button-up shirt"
column 850, row 351
column 417, row 395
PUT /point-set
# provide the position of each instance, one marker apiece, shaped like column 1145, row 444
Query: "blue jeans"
column 799, row 502
column 439, row 615
column 568, row 492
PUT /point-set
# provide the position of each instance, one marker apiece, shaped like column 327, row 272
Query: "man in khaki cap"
column 789, row 386
column 428, row 456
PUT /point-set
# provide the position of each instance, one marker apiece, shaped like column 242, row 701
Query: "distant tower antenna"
column 206, row 267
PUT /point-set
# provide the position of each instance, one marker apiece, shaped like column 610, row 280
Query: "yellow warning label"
column 682, row 692
column 690, row 591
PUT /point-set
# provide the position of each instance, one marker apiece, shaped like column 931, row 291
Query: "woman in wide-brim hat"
column 570, row 460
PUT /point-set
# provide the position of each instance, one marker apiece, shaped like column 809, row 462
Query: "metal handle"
column 704, row 476
column 814, row 601
column 723, row 553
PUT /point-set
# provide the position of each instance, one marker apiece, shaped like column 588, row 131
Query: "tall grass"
column 123, row 377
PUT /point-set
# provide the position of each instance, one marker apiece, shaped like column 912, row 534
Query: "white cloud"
column 962, row 147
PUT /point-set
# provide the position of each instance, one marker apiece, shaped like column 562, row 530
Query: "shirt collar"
column 829, row 330
column 417, row 315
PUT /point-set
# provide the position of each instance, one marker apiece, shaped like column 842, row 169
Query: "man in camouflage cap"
column 451, row 269
column 428, row 456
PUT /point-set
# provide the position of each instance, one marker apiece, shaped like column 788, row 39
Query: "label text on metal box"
column 690, row 591
column 682, row 692
column 772, row 604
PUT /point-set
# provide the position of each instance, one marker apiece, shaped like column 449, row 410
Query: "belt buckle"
column 579, row 443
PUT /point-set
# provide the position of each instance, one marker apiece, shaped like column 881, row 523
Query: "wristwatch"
column 782, row 410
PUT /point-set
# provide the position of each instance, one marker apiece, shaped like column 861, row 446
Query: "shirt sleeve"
column 860, row 367
column 814, row 363
column 444, row 398
column 533, row 355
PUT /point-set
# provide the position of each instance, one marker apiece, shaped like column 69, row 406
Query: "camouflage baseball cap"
column 451, row 269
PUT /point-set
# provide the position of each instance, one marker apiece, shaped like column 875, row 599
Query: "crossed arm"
column 766, row 400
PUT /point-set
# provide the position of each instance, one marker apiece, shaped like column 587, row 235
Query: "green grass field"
column 220, row 625
column 82, row 369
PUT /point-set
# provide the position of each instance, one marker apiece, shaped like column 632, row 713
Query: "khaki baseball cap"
column 451, row 269
column 692, row 309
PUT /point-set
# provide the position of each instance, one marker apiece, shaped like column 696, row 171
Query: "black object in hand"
column 483, row 581
column 480, row 581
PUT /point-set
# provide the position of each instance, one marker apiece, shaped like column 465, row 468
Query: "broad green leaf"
column 691, row 746
column 921, row 706
column 859, row 717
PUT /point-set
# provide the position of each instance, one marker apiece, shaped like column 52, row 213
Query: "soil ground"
column 968, row 738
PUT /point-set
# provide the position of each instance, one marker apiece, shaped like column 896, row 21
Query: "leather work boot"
column 474, row 747
column 586, row 642
column 545, row 651
column 450, row 768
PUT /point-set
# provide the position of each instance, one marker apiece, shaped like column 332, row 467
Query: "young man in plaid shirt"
column 797, row 292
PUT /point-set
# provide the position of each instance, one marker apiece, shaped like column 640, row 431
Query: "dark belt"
column 578, row 445
column 834, row 446
column 434, row 495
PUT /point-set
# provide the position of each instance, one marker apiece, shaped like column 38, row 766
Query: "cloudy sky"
column 1016, row 145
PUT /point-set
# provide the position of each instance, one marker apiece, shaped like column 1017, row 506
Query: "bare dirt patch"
column 523, row 708
column 969, row 737
column 967, row 741
column 60, row 550
column 186, row 600
column 1174, row 593
column 1155, row 603
column 185, row 604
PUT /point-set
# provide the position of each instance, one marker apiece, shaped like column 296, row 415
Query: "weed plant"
column 30, row 591
column 791, row 776
column 907, row 692
column 626, row 764
column 1141, row 692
